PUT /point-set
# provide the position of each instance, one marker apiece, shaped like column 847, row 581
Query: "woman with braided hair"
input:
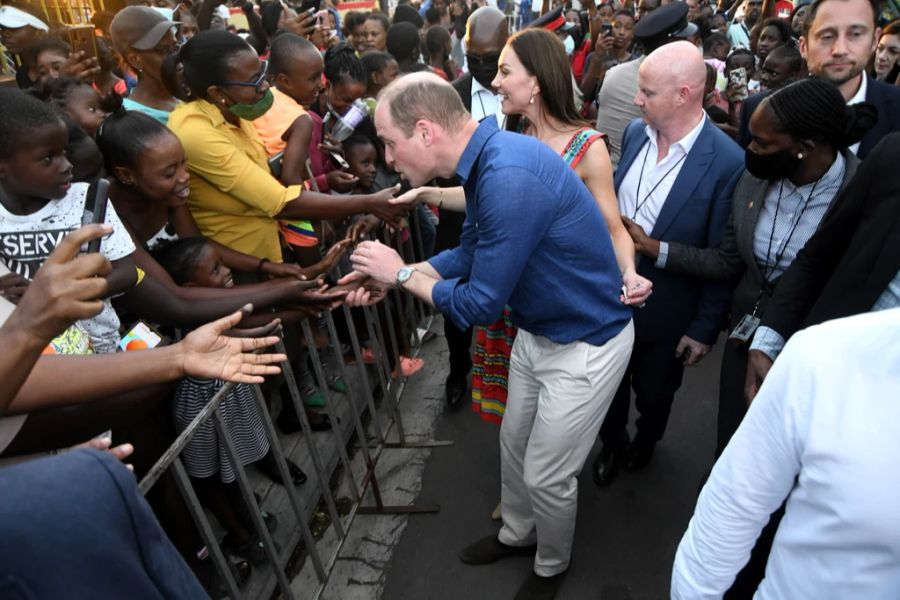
column 797, row 162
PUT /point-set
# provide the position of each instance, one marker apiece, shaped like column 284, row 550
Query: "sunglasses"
column 255, row 83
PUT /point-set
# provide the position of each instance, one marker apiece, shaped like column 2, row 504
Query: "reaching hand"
column 65, row 289
column 643, row 243
column 410, row 197
column 206, row 352
column 333, row 256
column 340, row 181
column 104, row 444
column 283, row 270
column 758, row 365
column 363, row 226
column 690, row 350
column 378, row 261
column 331, row 145
column 384, row 209
column 362, row 290
column 638, row 289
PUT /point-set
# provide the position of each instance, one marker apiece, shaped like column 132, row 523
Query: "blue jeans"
column 76, row 526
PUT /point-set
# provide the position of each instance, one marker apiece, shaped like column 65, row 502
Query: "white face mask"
column 569, row 43
column 168, row 13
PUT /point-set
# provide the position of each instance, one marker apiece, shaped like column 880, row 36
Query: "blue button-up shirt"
column 535, row 239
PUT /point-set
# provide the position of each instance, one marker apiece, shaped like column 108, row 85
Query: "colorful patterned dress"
column 493, row 344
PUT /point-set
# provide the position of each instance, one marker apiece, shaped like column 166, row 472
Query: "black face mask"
column 483, row 68
column 772, row 167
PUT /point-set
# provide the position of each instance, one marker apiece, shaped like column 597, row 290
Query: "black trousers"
column 732, row 406
column 655, row 375
column 459, row 342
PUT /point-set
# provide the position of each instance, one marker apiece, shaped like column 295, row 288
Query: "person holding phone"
column 39, row 203
column 613, row 47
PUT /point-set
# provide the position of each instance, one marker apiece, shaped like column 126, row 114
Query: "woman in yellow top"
column 234, row 198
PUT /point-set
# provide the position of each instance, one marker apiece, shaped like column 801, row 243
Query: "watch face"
column 404, row 274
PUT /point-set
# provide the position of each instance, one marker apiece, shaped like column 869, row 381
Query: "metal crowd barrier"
column 391, row 328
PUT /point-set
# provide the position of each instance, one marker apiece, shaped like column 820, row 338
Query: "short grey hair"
column 423, row 96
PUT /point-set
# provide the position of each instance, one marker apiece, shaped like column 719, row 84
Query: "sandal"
column 252, row 551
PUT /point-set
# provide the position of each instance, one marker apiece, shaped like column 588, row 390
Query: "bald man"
column 486, row 33
column 529, row 241
column 676, row 179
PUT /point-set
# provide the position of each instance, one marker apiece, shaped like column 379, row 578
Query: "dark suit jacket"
column 451, row 222
column 695, row 213
column 854, row 255
column 734, row 257
column 886, row 99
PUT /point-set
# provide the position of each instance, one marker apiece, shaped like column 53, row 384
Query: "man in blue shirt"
column 534, row 239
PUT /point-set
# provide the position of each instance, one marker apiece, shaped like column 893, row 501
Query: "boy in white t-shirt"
column 39, row 204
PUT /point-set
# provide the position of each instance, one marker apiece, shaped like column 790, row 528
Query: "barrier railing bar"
column 318, row 464
column 255, row 515
column 293, row 496
column 221, row 564
column 322, row 380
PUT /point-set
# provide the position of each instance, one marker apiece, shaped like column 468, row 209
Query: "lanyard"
column 769, row 269
column 638, row 204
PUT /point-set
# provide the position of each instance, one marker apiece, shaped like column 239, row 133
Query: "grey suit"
column 734, row 260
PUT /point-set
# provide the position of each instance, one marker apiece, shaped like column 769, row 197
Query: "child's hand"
column 329, row 144
column 333, row 255
column 80, row 66
column 366, row 224
column 340, row 181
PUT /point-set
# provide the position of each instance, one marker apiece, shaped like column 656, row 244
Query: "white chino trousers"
column 558, row 397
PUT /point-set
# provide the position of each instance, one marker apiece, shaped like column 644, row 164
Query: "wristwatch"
column 404, row 274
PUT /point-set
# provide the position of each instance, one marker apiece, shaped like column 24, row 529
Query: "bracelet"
column 259, row 267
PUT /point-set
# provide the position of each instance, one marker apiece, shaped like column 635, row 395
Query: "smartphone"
column 141, row 337
column 275, row 165
column 606, row 29
column 81, row 39
column 313, row 6
column 738, row 78
column 339, row 160
column 96, row 213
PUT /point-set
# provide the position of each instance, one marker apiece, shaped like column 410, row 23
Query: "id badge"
column 745, row 329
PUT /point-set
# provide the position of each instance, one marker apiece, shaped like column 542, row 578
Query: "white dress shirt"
column 655, row 178
column 822, row 432
column 860, row 96
column 484, row 103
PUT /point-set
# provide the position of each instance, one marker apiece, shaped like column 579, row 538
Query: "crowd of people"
column 599, row 195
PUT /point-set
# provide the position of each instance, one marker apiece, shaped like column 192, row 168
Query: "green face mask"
column 251, row 112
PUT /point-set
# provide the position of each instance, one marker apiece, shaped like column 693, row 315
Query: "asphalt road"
column 626, row 535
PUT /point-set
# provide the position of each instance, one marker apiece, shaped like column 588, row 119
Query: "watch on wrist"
column 404, row 274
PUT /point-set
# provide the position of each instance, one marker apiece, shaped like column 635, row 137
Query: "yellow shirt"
column 278, row 119
column 234, row 197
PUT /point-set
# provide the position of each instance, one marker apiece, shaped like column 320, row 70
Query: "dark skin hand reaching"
column 643, row 243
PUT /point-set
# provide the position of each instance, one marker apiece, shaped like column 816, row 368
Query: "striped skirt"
column 205, row 454
column 490, row 367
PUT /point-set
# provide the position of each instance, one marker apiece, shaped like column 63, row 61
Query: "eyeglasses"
column 166, row 50
column 483, row 59
column 253, row 84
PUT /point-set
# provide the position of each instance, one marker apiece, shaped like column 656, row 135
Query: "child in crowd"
column 381, row 69
column 195, row 262
column 295, row 66
column 39, row 204
column 362, row 157
column 76, row 99
column 46, row 57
